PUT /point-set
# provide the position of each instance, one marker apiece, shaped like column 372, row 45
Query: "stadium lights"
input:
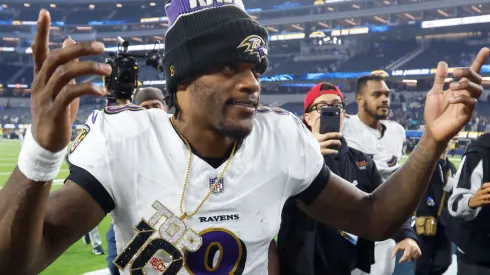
column 146, row 47
column 297, row 27
column 4, row 6
column 27, row 5
column 154, row 82
column 84, row 28
column 153, row 4
column 119, row 5
column 443, row 13
column 475, row 9
column 456, row 21
column 272, row 29
column 91, row 6
column 52, row 5
column 323, row 24
column 7, row 49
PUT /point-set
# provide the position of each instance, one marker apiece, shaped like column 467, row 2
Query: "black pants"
column 468, row 267
column 436, row 254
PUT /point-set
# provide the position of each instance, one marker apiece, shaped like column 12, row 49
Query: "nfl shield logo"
column 215, row 186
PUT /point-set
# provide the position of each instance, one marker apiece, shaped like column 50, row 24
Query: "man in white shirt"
column 370, row 133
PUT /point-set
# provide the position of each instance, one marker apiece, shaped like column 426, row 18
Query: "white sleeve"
column 352, row 134
column 308, row 173
column 468, row 180
column 90, row 163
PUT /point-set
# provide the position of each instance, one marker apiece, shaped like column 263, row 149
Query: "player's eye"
column 230, row 69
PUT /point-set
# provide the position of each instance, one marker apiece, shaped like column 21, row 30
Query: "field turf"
column 78, row 259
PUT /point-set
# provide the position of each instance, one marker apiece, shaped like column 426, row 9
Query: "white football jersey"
column 141, row 162
column 386, row 150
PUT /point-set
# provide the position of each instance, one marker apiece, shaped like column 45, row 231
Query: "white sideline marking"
column 104, row 271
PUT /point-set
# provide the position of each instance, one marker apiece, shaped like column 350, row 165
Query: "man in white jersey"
column 370, row 133
column 199, row 192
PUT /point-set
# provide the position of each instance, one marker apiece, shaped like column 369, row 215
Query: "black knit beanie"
column 200, row 38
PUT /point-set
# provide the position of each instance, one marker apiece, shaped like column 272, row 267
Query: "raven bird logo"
column 254, row 45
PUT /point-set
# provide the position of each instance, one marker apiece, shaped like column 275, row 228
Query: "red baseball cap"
column 317, row 91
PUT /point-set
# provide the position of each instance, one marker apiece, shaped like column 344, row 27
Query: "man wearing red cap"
column 306, row 246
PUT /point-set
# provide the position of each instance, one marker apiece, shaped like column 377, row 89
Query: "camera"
column 124, row 77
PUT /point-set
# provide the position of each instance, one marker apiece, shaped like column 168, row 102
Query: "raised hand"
column 447, row 112
column 54, row 100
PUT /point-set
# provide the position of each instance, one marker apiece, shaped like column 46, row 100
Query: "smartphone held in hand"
column 330, row 120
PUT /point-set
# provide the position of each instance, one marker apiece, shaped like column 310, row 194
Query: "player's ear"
column 359, row 98
column 184, row 84
column 308, row 119
column 182, row 87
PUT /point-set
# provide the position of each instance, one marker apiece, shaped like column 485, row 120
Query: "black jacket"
column 429, row 205
column 473, row 237
column 309, row 247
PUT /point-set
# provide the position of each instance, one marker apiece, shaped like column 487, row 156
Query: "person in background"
column 370, row 133
column 306, row 246
column 430, row 222
column 150, row 98
column 468, row 224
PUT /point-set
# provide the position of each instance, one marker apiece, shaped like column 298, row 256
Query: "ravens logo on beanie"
column 201, row 37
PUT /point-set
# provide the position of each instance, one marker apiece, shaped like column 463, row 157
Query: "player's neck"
column 205, row 142
column 369, row 120
column 122, row 102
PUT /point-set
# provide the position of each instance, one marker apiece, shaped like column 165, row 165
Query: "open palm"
column 447, row 112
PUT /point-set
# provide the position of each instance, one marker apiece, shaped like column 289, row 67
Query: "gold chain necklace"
column 189, row 162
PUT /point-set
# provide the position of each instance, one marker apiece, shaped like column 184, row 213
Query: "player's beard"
column 216, row 106
column 374, row 114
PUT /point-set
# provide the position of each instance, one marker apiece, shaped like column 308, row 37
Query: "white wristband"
column 37, row 163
